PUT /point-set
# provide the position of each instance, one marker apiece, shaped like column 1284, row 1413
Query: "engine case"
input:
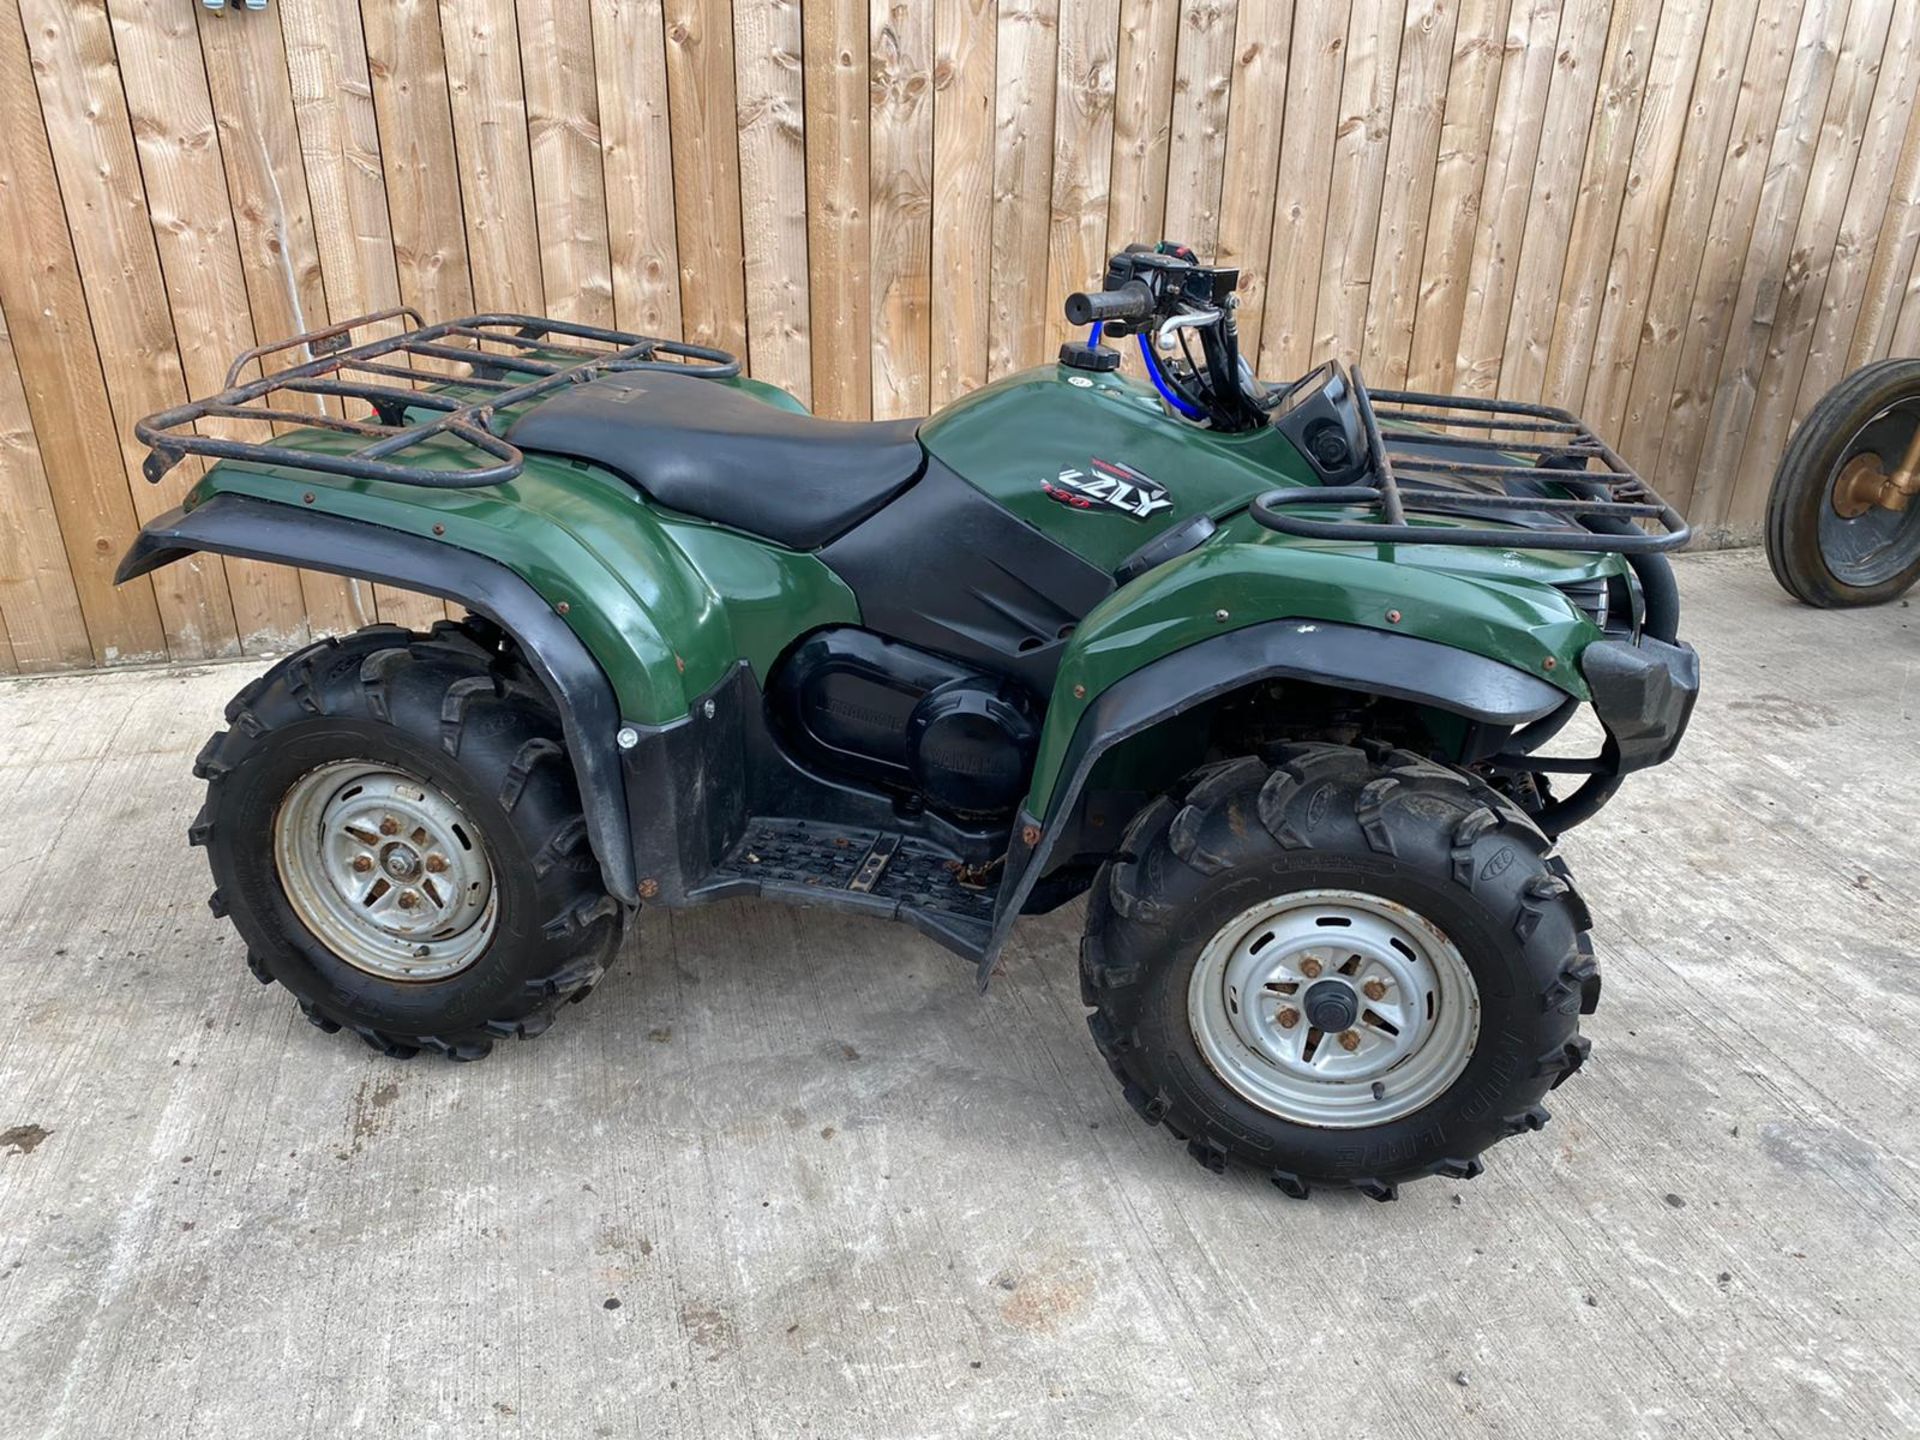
column 934, row 730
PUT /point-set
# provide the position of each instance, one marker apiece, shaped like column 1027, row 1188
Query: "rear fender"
column 255, row 529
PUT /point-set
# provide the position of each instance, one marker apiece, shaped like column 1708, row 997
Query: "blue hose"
column 1160, row 383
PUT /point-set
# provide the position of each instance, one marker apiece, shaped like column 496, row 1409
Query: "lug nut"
column 408, row 899
column 1310, row 968
column 362, row 864
column 438, row 863
column 1349, row 1039
column 1287, row 1018
column 389, row 826
column 1375, row 990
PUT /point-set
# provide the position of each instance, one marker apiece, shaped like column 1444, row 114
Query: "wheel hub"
column 401, row 862
column 1331, row 1005
column 1334, row 1008
column 384, row 870
column 1868, row 530
column 1862, row 484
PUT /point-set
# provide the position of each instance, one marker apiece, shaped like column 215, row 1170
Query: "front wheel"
column 1349, row 968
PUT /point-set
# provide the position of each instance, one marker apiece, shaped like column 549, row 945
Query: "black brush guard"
column 510, row 359
column 1605, row 509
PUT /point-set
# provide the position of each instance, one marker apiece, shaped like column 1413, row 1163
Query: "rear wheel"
column 1349, row 968
column 1838, row 533
column 394, row 829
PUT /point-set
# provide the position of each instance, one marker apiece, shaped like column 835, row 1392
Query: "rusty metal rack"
column 1543, row 470
column 509, row 359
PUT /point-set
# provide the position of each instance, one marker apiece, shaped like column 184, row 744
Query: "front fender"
column 1523, row 630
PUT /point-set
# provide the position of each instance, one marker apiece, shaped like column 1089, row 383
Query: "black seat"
column 710, row 450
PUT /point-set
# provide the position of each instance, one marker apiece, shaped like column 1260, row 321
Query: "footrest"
column 875, row 871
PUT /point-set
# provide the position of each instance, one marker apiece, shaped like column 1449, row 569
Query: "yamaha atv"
column 1267, row 672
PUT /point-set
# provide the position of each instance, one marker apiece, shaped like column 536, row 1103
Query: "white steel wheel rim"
column 385, row 871
column 1415, row 1009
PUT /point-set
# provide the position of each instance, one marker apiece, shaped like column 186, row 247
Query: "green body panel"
column 666, row 604
column 1010, row 436
column 1507, row 613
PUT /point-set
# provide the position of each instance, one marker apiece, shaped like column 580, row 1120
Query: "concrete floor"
column 785, row 1174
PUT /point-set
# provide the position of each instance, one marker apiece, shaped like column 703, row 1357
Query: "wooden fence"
column 1686, row 218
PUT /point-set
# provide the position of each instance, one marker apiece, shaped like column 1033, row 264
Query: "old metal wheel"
column 1863, row 542
column 1334, row 1008
column 385, row 870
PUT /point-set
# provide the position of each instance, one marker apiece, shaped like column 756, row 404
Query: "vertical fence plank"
column 1603, row 342
column 45, row 627
column 1255, row 123
column 963, row 77
column 1766, row 81
column 489, row 109
column 563, row 141
column 1196, row 155
column 1888, row 283
column 1552, row 206
column 1082, row 154
column 413, row 131
column 1849, row 139
column 1639, row 417
column 838, row 238
column 1875, row 197
column 1022, row 181
column 636, row 156
column 99, row 176
column 901, row 228
column 1769, row 245
column 59, row 369
column 1142, row 120
column 248, row 78
column 1413, row 149
column 1905, row 337
column 773, row 191
column 338, row 136
column 414, row 126
column 1526, row 79
column 706, row 172
column 1301, row 187
column 1359, row 177
column 1460, row 173
column 1625, row 77
column 340, row 152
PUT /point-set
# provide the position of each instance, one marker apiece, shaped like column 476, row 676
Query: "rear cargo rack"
column 508, row 360
column 1436, row 454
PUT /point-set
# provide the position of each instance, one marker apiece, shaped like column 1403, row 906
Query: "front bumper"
column 1643, row 693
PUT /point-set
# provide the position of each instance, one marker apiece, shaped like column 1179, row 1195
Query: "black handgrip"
column 1132, row 301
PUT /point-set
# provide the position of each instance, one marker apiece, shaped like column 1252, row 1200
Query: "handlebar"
column 1133, row 301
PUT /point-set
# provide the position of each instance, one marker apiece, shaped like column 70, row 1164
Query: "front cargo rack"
column 1457, row 455
column 508, row 360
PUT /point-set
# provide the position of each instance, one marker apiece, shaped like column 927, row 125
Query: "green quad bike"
column 1264, row 670
column 1842, row 529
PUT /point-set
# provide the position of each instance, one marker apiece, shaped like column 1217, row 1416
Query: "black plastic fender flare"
column 589, row 711
column 1352, row 657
